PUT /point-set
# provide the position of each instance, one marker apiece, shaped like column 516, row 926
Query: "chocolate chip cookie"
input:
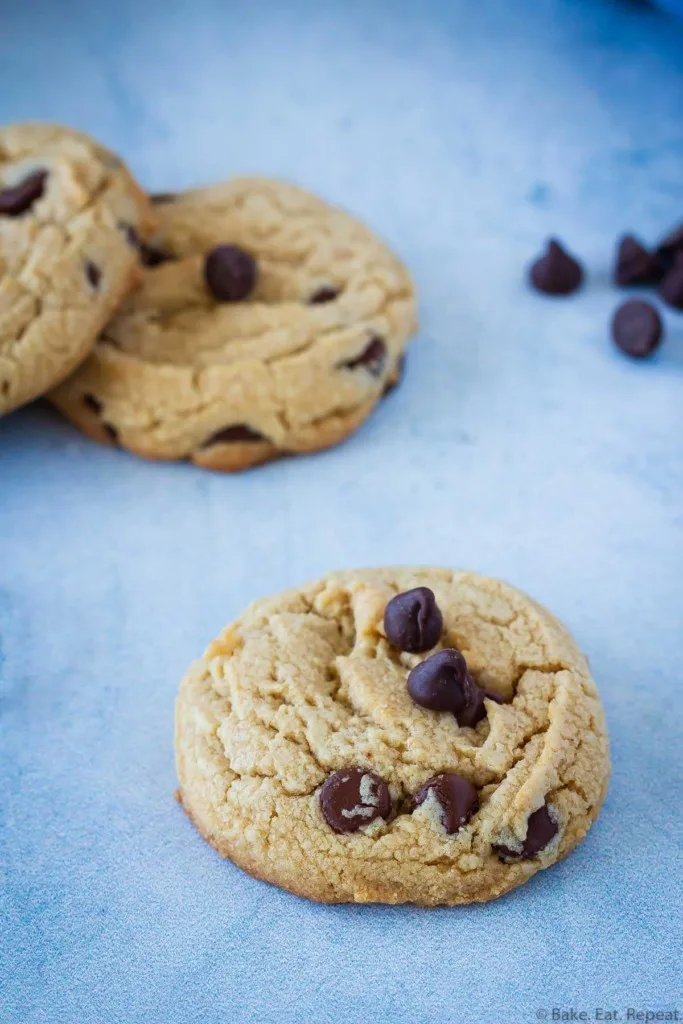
column 393, row 735
column 71, row 220
column 267, row 322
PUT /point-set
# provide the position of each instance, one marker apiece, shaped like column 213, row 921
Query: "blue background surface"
column 519, row 444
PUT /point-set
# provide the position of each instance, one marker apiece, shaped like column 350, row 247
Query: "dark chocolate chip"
column 439, row 682
column 352, row 798
column 327, row 293
column 413, row 621
column 230, row 273
column 19, row 198
column 92, row 403
column 442, row 683
column 373, row 357
column 669, row 246
column 111, row 432
column 93, row 273
column 4, row 387
column 238, row 432
column 457, row 797
column 556, row 272
column 153, row 255
column 163, row 197
column 671, row 288
column 637, row 328
column 539, row 831
column 635, row 264
column 474, row 709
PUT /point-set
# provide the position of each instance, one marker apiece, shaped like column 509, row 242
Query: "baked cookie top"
column 439, row 748
column 71, row 217
column 267, row 321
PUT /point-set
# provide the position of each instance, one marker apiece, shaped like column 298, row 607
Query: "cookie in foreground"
column 71, row 222
column 267, row 322
column 393, row 735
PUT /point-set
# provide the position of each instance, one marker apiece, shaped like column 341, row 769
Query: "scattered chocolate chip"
column 327, row 293
column 442, row 683
column 92, row 403
column 4, row 387
column 93, row 273
column 637, row 328
column 153, row 255
column 230, row 273
column 635, row 264
column 19, row 198
column 239, row 432
column 556, row 272
column 373, row 357
column 669, row 246
column 413, row 621
column 671, row 288
column 539, row 831
column 157, row 198
column 457, row 797
column 352, row 798
column 111, row 432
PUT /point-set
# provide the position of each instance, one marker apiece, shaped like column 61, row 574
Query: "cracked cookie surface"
column 306, row 684
column 70, row 219
column 295, row 366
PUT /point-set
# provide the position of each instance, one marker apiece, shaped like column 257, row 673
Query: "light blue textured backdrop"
column 520, row 444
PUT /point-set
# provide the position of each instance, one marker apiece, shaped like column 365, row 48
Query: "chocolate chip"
column 637, row 328
column 539, row 831
column 111, row 432
column 20, row 198
column 413, row 621
column 556, row 272
column 634, row 264
column 671, row 288
column 327, row 293
column 238, row 432
column 92, row 403
column 93, row 273
column 373, row 357
column 442, row 683
column 163, row 197
column 439, row 682
column 230, row 273
column 352, row 798
column 669, row 246
column 457, row 797
column 153, row 255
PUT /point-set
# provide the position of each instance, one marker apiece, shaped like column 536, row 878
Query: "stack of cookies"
column 225, row 325
column 390, row 735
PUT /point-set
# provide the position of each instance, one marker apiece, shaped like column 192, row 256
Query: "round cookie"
column 71, row 217
column 267, row 322
column 303, row 757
